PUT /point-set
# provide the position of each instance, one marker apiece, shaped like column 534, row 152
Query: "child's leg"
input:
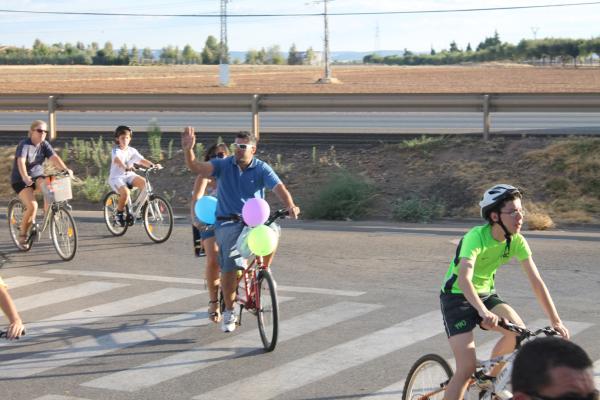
column 507, row 343
column 463, row 347
column 123, row 198
column 16, row 328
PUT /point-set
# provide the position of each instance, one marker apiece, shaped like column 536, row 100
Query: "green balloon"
column 262, row 240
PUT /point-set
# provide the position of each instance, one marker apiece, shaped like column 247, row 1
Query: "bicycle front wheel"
column 14, row 214
column 109, row 210
column 267, row 310
column 158, row 219
column 64, row 233
column 427, row 378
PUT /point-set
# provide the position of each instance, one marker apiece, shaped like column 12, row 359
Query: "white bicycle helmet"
column 495, row 195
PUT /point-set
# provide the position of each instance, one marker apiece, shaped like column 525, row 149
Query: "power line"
column 457, row 10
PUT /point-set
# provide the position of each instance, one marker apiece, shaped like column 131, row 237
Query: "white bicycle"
column 153, row 209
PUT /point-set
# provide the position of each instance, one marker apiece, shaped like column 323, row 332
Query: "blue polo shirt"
column 235, row 186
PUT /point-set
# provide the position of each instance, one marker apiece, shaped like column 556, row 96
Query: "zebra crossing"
column 58, row 342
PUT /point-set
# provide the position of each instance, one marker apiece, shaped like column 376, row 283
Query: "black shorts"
column 17, row 187
column 459, row 315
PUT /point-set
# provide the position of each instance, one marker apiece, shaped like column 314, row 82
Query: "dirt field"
column 489, row 78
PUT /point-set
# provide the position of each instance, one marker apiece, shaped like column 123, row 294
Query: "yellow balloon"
column 262, row 240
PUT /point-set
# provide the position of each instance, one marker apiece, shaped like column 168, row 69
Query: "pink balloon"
column 255, row 212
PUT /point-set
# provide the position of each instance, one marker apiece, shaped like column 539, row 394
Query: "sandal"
column 23, row 242
column 214, row 313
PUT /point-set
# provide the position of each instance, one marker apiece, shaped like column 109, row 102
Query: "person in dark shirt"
column 28, row 171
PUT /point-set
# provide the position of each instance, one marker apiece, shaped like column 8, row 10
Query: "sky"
column 365, row 33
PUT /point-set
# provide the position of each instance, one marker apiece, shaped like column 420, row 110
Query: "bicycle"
column 259, row 295
column 430, row 374
column 63, row 231
column 153, row 209
column 3, row 334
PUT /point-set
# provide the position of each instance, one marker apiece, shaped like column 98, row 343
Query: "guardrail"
column 354, row 102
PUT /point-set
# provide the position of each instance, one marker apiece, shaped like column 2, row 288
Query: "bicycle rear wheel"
column 64, row 233
column 109, row 210
column 267, row 310
column 158, row 219
column 14, row 215
column 427, row 378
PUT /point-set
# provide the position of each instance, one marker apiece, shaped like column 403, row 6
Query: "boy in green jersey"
column 468, row 294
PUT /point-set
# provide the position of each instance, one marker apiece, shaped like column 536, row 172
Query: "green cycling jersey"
column 487, row 254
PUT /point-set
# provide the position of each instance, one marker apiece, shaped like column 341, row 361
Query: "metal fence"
column 256, row 103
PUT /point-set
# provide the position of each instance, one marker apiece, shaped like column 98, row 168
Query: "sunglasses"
column 40, row 130
column 243, row 146
column 218, row 155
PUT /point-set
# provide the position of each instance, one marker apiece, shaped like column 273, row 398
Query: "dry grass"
column 494, row 78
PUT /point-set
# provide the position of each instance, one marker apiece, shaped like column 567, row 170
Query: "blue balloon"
column 206, row 209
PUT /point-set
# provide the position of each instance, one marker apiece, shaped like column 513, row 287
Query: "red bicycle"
column 259, row 294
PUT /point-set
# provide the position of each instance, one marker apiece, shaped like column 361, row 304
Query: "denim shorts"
column 226, row 234
column 207, row 232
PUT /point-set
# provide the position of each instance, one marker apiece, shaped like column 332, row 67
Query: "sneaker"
column 229, row 320
column 120, row 219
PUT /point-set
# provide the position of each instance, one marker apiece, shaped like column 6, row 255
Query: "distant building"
column 318, row 57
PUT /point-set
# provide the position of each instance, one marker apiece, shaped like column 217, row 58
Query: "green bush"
column 154, row 139
column 345, row 196
column 94, row 187
column 415, row 209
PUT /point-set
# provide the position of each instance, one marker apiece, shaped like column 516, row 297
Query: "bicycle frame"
column 142, row 198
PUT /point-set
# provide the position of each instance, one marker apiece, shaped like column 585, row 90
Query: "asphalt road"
column 311, row 122
column 126, row 318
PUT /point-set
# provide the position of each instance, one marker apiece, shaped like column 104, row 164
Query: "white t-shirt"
column 128, row 156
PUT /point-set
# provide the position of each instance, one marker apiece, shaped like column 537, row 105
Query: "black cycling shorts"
column 17, row 187
column 459, row 315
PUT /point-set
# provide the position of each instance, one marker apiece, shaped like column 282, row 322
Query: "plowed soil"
column 488, row 78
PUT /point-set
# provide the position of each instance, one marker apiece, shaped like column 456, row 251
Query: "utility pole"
column 223, row 47
column 535, row 29
column 327, row 78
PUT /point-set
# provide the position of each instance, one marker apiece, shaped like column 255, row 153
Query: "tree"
column 189, row 55
column 407, row 53
column 134, row 55
column 469, row 49
column 453, row 47
column 293, row 56
column 109, row 52
column 252, row 57
column 123, row 57
column 274, row 56
column 309, row 57
column 490, row 42
column 432, row 51
column 147, row 54
column 169, row 54
column 210, row 53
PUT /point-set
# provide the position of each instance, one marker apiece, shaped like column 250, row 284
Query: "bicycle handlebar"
column 3, row 334
column 147, row 170
column 281, row 213
column 523, row 331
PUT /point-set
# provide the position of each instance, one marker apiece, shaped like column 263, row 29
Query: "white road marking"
column 172, row 279
column 77, row 319
column 197, row 358
column 43, row 361
column 331, row 361
column 64, row 294
column 19, row 281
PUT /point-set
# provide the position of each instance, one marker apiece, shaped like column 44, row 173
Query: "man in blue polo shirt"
column 239, row 178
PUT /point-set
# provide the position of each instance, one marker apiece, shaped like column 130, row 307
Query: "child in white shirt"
column 121, row 176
